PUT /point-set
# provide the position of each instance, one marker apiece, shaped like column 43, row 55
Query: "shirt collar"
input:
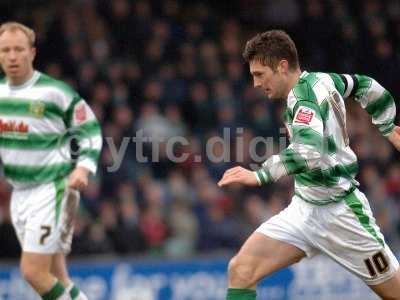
column 304, row 74
column 27, row 83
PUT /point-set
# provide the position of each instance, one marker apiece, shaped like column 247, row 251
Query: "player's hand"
column 78, row 179
column 394, row 137
column 238, row 175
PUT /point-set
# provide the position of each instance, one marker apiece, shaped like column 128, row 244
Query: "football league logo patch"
column 37, row 109
column 304, row 115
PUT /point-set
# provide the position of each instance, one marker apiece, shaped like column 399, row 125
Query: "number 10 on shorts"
column 378, row 262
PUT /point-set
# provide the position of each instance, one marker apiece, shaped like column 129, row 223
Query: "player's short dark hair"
column 270, row 48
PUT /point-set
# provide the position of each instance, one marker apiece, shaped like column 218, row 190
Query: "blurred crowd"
column 162, row 69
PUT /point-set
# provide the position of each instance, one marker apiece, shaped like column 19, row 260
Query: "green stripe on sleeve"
column 376, row 108
column 37, row 174
column 87, row 129
column 93, row 154
column 356, row 206
column 263, row 176
column 293, row 162
column 364, row 83
column 258, row 177
column 385, row 129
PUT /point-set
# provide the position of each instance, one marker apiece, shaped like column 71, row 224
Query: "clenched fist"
column 78, row 179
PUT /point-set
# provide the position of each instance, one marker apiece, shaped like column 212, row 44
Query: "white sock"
column 82, row 296
column 64, row 296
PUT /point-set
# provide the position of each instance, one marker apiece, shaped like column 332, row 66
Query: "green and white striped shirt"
column 37, row 121
column 319, row 156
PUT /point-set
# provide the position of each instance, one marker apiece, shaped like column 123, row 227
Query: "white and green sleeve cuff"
column 263, row 176
column 386, row 129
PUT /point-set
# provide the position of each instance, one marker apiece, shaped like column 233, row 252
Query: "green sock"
column 56, row 291
column 74, row 292
column 241, row 294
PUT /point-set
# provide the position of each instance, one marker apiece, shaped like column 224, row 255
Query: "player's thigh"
column 389, row 289
column 260, row 256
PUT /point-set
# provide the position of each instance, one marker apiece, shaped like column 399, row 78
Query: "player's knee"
column 240, row 273
column 28, row 272
column 60, row 275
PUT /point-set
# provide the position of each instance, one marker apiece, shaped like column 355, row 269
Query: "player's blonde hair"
column 14, row 26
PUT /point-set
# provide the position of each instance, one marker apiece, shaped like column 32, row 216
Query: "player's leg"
column 276, row 244
column 35, row 268
column 260, row 256
column 59, row 270
column 59, row 260
column 40, row 238
column 390, row 289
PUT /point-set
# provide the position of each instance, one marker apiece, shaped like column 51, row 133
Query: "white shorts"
column 43, row 216
column 345, row 231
